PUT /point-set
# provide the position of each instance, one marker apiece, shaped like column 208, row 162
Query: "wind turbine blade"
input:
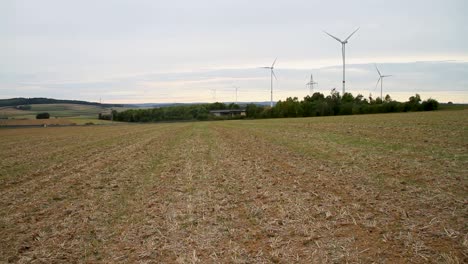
column 274, row 63
column 274, row 74
column 264, row 67
column 332, row 36
column 377, row 69
column 351, row 34
column 377, row 82
column 387, row 75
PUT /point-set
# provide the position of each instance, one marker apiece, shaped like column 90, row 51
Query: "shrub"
column 43, row 116
column 105, row 116
column 430, row 105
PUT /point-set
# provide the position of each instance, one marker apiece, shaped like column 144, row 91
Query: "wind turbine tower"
column 272, row 74
column 343, row 44
column 236, row 87
column 311, row 84
column 213, row 93
column 381, row 82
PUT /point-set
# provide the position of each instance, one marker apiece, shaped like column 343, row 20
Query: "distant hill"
column 55, row 111
column 39, row 100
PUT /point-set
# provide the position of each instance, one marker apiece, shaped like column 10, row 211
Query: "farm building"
column 228, row 112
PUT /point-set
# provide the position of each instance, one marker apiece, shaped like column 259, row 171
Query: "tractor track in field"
column 78, row 184
column 41, row 155
column 387, row 222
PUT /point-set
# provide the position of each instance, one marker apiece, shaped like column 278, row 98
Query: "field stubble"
column 380, row 188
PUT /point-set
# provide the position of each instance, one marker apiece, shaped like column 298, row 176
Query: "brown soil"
column 360, row 189
column 35, row 122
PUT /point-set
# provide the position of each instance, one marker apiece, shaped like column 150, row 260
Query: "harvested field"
column 386, row 188
column 51, row 122
column 35, row 122
column 55, row 111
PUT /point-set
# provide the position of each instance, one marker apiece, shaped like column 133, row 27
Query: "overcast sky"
column 138, row 51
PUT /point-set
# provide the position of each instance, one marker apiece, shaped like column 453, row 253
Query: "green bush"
column 430, row 105
column 105, row 116
column 43, row 116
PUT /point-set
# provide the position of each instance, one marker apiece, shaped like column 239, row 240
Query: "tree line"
column 40, row 100
column 171, row 113
column 335, row 104
column 316, row 105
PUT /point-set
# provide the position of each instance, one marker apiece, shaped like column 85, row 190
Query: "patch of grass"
column 453, row 106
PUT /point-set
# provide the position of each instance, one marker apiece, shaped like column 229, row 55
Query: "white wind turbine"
column 213, row 94
column 272, row 74
column 236, row 87
column 381, row 81
column 311, row 84
column 343, row 44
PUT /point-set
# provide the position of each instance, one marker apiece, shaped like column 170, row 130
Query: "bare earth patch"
column 360, row 189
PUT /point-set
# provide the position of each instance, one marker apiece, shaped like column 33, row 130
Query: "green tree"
column 347, row 98
column 388, row 98
column 334, row 102
column 359, row 99
column 414, row 103
column 430, row 105
column 217, row 106
column 233, row 106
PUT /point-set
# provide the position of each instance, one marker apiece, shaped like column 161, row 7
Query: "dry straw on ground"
column 360, row 189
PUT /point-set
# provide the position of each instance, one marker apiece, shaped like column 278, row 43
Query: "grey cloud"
column 75, row 48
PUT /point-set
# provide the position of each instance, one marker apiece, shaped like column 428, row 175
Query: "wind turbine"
column 236, row 87
column 311, row 84
column 213, row 91
column 272, row 74
column 381, row 81
column 343, row 44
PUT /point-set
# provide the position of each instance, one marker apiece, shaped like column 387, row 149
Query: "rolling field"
column 53, row 122
column 390, row 188
column 55, row 110
column 60, row 114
